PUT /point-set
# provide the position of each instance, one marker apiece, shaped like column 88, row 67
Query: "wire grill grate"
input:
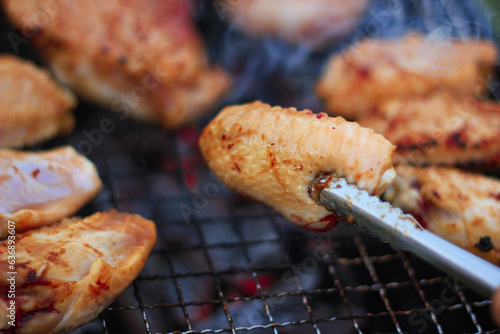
column 224, row 264
column 247, row 270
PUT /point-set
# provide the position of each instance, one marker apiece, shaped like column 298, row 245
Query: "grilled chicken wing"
column 38, row 189
column 272, row 155
column 33, row 108
column 440, row 129
column 138, row 57
column 461, row 207
column 68, row 273
column 314, row 23
column 374, row 71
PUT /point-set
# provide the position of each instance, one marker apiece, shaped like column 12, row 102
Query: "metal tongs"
column 403, row 232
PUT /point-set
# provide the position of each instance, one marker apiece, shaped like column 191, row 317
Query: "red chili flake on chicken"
column 35, row 173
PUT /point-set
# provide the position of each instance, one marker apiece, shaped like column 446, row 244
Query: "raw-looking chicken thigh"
column 38, row 189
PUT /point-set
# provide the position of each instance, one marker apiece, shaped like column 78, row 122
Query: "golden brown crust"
column 314, row 23
column 460, row 207
column 142, row 58
column 38, row 189
column 68, row 273
column 272, row 154
column 33, row 108
column 374, row 71
column 440, row 129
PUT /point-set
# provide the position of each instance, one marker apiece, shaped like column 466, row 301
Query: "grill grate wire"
column 361, row 251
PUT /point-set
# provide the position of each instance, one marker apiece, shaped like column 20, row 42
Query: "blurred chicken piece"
column 137, row 57
column 440, row 129
column 33, row 108
column 70, row 272
column 273, row 154
column 374, row 71
column 38, row 189
column 313, row 23
column 460, row 207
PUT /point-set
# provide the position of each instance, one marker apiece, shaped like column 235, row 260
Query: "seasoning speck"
column 484, row 244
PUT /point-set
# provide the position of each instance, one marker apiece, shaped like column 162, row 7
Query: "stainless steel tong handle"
column 404, row 232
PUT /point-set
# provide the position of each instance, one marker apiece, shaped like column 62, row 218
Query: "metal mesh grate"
column 236, row 266
column 225, row 264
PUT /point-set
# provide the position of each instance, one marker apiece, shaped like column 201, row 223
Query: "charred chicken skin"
column 375, row 71
column 440, row 129
column 70, row 272
column 461, row 207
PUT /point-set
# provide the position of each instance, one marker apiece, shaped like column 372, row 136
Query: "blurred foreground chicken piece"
column 460, row 207
column 33, row 108
column 440, row 130
column 272, row 155
column 38, row 189
column 68, row 273
column 312, row 23
column 374, row 71
column 142, row 58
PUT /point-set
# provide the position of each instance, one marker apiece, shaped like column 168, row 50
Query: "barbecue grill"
column 226, row 264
